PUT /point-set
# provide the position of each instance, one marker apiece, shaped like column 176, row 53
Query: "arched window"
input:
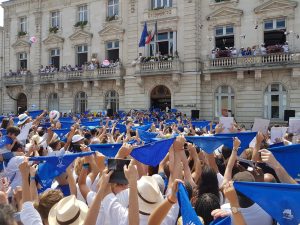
column 275, row 101
column 21, row 103
column 81, row 102
column 112, row 101
column 53, row 103
column 224, row 101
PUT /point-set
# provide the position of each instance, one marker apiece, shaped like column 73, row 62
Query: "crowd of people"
column 89, row 66
column 245, row 52
column 21, row 72
column 140, row 167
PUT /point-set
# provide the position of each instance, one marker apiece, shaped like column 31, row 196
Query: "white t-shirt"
column 254, row 215
column 24, row 133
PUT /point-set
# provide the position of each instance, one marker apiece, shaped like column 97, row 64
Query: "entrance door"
column 21, row 103
column 160, row 98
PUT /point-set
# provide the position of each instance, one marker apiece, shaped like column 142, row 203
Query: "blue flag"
column 90, row 123
column 289, row 157
column 121, row 127
column 222, row 221
column 280, row 144
column 153, row 153
column 3, row 131
column 35, row 114
column 5, row 140
column 245, row 138
column 200, row 124
column 211, row 143
column 281, row 201
column 66, row 125
column 146, row 136
column 61, row 133
column 53, row 166
column 144, row 36
column 109, row 150
column 188, row 214
column 143, row 127
column 66, row 119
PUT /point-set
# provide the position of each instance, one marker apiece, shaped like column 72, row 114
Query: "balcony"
column 160, row 67
column 17, row 79
column 154, row 14
column 87, row 75
column 277, row 60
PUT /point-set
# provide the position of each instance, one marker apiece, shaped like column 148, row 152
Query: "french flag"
column 152, row 34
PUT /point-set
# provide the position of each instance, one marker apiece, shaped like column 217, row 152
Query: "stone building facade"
column 190, row 78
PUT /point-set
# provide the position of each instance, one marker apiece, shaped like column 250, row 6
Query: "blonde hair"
column 180, row 222
column 78, row 165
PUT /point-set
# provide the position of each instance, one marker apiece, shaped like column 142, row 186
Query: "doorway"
column 21, row 103
column 161, row 98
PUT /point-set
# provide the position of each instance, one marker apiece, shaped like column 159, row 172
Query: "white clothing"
column 24, row 133
column 29, row 215
column 253, row 215
column 12, row 171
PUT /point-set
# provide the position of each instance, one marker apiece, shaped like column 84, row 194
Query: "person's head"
column 23, row 119
column 208, row 182
column 269, row 178
column 149, row 195
column 117, row 188
column 289, row 137
column 46, row 201
column 13, row 132
column 205, row 204
column 55, row 145
column 244, row 176
column 7, row 215
column 66, row 210
column 5, row 123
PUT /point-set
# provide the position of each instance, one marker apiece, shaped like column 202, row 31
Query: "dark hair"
column 5, row 123
column 6, row 214
column 13, row 130
column 226, row 152
column 205, row 204
column 244, row 201
column 208, row 182
column 54, row 144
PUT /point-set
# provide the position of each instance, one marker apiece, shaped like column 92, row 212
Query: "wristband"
column 32, row 178
column 170, row 201
column 86, row 165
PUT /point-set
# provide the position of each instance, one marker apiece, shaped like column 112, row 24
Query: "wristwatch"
column 235, row 210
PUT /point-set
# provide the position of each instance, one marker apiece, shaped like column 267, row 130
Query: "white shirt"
column 253, row 215
column 29, row 215
column 12, row 171
column 24, row 133
column 113, row 212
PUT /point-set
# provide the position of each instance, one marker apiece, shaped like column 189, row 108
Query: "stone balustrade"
column 252, row 61
column 158, row 67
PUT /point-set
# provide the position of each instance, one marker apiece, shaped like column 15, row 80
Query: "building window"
column 55, row 57
column 23, row 60
column 275, row 101
column 55, row 19
column 224, row 37
column 23, row 24
column 81, row 102
column 53, row 103
column 113, row 8
column 82, row 13
column 112, row 101
column 112, row 49
column 158, row 4
column 274, row 32
column 224, row 101
column 82, row 55
column 217, row 1
column 162, row 45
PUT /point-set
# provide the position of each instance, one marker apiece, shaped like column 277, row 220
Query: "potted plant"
column 81, row 24
column 53, row 30
column 111, row 18
column 21, row 33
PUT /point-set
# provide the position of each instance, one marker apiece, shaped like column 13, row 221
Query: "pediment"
column 21, row 44
column 225, row 12
column 275, row 5
column 80, row 34
column 111, row 30
column 53, row 39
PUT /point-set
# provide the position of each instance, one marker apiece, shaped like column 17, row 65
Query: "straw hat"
column 149, row 195
column 68, row 210
column 23, row 118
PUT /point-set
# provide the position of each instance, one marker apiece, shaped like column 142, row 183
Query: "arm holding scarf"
column 269, row 158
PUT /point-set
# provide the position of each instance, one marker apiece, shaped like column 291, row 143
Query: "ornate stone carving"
column 111, row 33
column 80, row 36
column 53, row 41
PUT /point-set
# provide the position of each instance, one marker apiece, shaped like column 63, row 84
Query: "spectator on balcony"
column 285, row 47
column 242, row 52
column 254, row 51
column 233, row 52
column 263, row 50
column 213, row 54
column 248, row 52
